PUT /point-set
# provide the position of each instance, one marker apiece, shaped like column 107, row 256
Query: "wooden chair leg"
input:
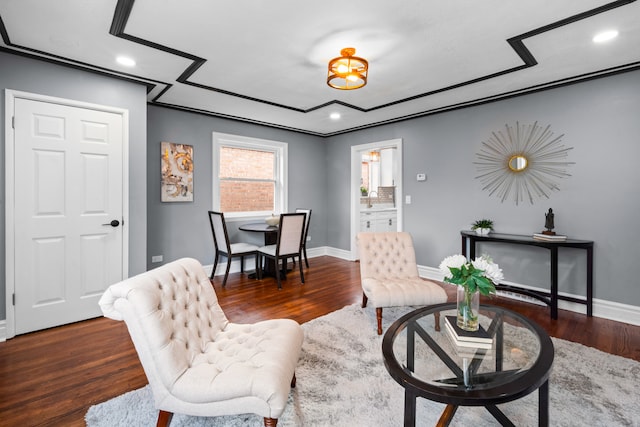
column 164, row 418
column 256, row 262
column 379, row 318
column 364, row 300
column 215, row 264
column 306, row 260
column 301, row 272
column 279, row 273
column 270, row 422
column 437, row 320
column 226, row 273
column 447, row 414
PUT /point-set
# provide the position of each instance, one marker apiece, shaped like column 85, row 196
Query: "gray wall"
column 599, row 202
column 29, row 75
column 176, row 230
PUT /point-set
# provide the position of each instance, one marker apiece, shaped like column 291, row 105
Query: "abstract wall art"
column 177, row 172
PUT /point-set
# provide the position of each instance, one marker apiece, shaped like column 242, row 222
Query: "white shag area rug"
column 342, row 381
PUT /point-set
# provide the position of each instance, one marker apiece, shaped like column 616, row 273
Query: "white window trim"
column 281, row 149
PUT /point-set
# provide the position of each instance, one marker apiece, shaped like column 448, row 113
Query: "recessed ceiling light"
column 605, row 36
column 335, row 116
column 127, row 62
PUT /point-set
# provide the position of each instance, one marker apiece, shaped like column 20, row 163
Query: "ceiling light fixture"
column 335, row 116
column 127, row 62
column 605, row 36
column 347, row 72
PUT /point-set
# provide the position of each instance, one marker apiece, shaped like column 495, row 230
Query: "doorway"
column 376, row 188
column 66, row 208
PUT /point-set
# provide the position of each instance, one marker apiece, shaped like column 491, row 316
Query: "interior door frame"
column 356, row 151
column 10, row 170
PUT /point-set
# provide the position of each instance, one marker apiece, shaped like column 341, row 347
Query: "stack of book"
column 479, row 339
column 549, row 237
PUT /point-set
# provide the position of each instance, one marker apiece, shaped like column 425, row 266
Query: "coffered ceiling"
column 266, row 61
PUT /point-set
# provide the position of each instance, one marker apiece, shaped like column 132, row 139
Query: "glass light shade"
column 347, row 72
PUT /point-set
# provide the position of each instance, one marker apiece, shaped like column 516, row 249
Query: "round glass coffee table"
column 428, row 363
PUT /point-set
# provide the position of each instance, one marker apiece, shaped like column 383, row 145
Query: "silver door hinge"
column 13, row 122
column 13, row 299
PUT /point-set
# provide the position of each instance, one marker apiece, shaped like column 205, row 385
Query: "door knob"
column 113, row 223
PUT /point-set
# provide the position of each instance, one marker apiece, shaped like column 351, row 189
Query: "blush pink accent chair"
column 389, row 274
column 197, row 362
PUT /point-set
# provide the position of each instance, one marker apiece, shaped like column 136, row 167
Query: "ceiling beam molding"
column 120, row 18
column 28, row 52
column 124, row 8
column 157, row 89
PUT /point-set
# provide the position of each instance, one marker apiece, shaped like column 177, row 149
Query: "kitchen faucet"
column 369, row 205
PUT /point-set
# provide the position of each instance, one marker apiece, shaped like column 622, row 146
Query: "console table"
column 550, row 298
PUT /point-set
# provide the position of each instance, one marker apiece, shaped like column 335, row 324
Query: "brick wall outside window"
column 239, row 171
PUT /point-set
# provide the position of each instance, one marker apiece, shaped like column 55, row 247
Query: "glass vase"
column 468, row 306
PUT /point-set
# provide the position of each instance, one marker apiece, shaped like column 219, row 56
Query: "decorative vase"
column 483, row 231
column 468, row 306
column 272, row 220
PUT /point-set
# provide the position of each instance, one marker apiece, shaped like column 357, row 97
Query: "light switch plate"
column 421, row 177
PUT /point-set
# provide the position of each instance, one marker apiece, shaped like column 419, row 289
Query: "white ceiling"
column 266, row 61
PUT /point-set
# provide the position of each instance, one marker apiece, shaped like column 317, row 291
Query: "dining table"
column 270, row 231
column 270, row 238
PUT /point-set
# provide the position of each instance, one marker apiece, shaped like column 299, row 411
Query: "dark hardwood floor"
column 51, row 377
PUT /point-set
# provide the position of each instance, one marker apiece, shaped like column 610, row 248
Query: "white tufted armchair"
column 196, row 361
column 389, row 274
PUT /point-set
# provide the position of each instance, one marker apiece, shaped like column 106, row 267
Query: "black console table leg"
column 554, row 282
column 590, row 281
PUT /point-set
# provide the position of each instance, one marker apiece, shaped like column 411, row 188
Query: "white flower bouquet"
column 473, row 278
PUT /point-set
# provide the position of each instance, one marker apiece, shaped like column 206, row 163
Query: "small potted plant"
column 483, row 226
column 364, row 191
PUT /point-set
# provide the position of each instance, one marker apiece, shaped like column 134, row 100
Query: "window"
column 249, row 176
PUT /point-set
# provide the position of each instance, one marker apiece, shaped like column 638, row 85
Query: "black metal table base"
column 450, row 410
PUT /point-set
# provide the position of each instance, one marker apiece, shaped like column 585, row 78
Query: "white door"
column 68, row 189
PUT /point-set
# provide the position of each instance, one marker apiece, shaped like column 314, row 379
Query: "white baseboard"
column 601, row 308
column 338, row 253
column 250, row 262
column 3, row 330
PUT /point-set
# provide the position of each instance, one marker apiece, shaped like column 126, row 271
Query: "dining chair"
column 307, row 221
column 289, row 245
column 225, row 247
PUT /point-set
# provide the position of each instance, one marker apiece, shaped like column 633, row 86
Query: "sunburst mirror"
column 522, row 162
